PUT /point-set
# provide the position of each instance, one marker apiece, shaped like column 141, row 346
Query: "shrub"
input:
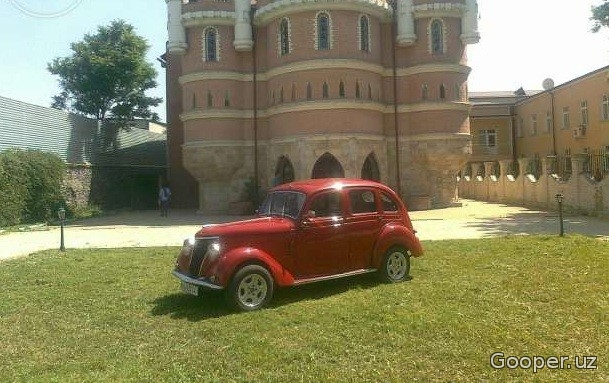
column 30, row 185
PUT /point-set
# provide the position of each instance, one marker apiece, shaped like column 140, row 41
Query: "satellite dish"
column 547, row 84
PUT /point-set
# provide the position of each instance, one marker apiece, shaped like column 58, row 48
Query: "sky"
column 522, row 42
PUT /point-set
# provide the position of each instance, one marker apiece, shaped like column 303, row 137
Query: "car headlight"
column 189, row 243
column 213, row 250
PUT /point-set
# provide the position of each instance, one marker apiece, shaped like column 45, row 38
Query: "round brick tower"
column 296, row 89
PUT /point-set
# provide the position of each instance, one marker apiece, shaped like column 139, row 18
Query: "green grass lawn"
column 118, row 316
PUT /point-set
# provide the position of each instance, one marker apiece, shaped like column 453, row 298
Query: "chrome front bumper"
column 198, row 282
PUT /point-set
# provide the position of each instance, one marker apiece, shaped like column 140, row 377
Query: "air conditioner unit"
column 579, row 131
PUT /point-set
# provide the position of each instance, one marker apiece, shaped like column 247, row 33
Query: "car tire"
column 395, row 266
column 251, row 288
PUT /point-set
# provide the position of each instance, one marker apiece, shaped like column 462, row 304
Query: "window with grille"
column 584, row 112
column 210, row 44
column 284, row 37
column 437, row 37
column 565, row 118
column 364, row 36
column 323, row 31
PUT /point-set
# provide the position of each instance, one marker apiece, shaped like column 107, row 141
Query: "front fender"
column 396, row 235
column 230, row 262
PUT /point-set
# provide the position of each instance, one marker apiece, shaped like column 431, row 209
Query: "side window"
column 210, row 44
column 389, row 204
column 362, row 201
column 327, row 205
column 323, row 31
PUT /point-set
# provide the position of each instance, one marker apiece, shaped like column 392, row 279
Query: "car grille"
column 199, row 252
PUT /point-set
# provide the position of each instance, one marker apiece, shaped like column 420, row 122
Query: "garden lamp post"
column 559, row 198
column 62, row 216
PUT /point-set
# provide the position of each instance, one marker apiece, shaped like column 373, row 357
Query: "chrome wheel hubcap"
column 397, row 265
column 252, row 290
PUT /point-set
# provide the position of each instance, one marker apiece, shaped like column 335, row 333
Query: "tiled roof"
column 76, row 139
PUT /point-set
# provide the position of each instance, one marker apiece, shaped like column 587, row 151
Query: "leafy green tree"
column 106, row 76
column 600, row 16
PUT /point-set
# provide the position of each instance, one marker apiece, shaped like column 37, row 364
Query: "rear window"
column 362, row 201
column 389, row 204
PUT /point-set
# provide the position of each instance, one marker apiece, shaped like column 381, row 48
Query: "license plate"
column 190, row 288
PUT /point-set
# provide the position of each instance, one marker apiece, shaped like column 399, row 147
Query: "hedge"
column 30, row 186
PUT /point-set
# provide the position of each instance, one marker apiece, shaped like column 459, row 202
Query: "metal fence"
column 596, row 164
column 561, row 167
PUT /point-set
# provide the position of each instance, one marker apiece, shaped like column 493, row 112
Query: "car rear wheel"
column 396, row 265
column 250, row 289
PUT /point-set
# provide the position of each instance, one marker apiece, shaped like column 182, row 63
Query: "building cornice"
column 206, row 18
column 326, row 105
column 214, row 75
column 227, row 114
column 316, row 65
column 432, row 107
column 277, row 9
column 431, row 137
column 439, row 10
column 429, row 68
column 332, row 105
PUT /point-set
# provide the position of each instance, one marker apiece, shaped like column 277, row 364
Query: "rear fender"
column 232, row 261
column 395, row 235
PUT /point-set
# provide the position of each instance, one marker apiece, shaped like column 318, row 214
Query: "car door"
column 320, row 247
column 362, row 225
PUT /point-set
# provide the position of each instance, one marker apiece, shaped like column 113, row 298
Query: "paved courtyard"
column 146, row 228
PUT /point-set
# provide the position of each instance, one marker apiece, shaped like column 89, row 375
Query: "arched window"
column 327, row 166
column 364, row 34
column 324, row 91
column 281, row 95
column 210, row 44
column 284, row 37
column 341, row 89
column 442, row 92
column 293, row 92
column 194, row 101
column 369, row 92
column 370, row 169
column 284, row 171
column 424, row 92
column 309, row 91
column 437, row 37
column 358, row 93
column 323, row 31
column 227, row 98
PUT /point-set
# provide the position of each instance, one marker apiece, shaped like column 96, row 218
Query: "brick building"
column 292, row 89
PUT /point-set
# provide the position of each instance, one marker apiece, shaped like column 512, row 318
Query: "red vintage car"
column 306, row 231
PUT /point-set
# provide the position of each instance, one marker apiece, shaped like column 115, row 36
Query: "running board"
column 334, row 276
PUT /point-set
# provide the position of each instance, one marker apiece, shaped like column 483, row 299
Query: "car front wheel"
column 396, row 265
column 250, row 289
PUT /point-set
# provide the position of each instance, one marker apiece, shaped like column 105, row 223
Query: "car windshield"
column 282, row 203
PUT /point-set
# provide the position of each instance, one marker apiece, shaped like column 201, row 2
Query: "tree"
column 107, row 76
column 600, row 16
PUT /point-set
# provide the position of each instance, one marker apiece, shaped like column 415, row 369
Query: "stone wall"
column 77, row 185
column 112, row 187
column 581, row 192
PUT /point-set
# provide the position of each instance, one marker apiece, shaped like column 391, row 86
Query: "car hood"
column 258, row 226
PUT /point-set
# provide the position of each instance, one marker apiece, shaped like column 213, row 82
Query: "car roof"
column 314, row 185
